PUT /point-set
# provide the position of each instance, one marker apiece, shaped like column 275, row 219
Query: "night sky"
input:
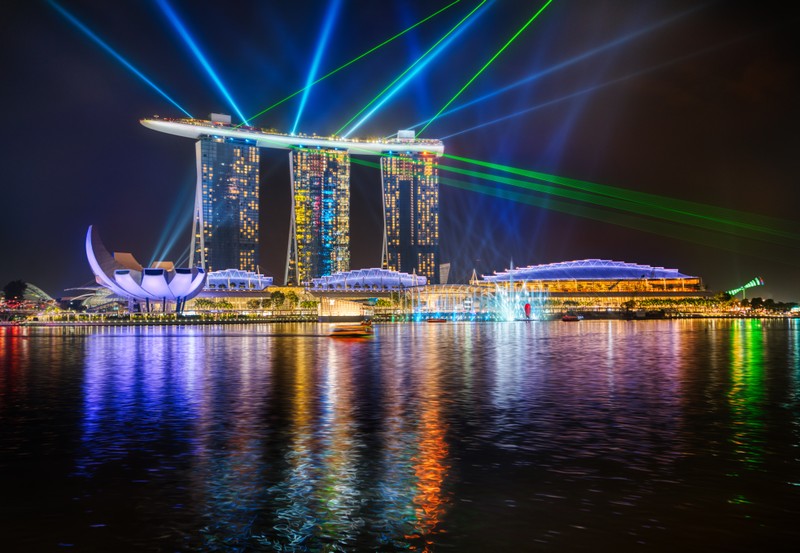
column 679, row 99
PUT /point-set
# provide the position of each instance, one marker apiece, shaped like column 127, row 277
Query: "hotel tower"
column 411, row 214
column 225, row 220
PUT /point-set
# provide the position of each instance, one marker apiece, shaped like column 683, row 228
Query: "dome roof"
column 586, row 269
column 368, row 278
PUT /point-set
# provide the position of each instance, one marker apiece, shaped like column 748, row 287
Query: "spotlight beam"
column 400, row 76
column 596, row 87
column 487, row 64
column 184, row 33
column 352, row 61
column 330, row 18
column 749, row 221
column 566, row 63
column 85, row 30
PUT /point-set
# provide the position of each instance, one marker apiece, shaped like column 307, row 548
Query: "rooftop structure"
column 367, row 279
column 197, row 128
column 235, row 279
column 586, row 269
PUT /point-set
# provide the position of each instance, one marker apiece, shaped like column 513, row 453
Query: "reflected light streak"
column 330, row 18
column 352, row 61
column 430, row 462
column 487, row 64
column 85, row 30
column 747, row 392
column 423, row 60
column 184, row 33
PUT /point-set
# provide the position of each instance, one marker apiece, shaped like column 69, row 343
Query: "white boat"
column 352, row 330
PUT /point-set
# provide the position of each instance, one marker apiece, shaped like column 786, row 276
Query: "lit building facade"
column 411, row 214
column 225, row 232
column 319, row 238
column 225, row 229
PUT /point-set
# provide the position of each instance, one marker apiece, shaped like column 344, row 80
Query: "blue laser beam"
column 330, row 18
column 184, row 33
column 178, row 220
column 567, row 63
column 419, row 64
column 602, row 85
column 85, row 30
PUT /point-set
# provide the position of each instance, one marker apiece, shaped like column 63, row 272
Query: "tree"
column 278, row 298
column 291, row 298
column 15, row 290
column 254, row 303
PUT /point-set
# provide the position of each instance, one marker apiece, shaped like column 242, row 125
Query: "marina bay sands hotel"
column 225, row 231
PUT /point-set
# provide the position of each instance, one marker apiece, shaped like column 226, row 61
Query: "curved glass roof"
column 368, row 278
column 237, row 278
column 586, row 269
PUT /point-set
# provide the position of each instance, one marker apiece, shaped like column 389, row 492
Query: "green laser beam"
column 410, row 67
column 701, row 237
column 487, row 64
column 750, row 221
column 705, row 237
column 352, row 61
column 656, row 211
column 717, row 224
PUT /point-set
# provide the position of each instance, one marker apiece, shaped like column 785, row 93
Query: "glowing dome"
column 586, row 269
column 368, row 279
column 124, row 276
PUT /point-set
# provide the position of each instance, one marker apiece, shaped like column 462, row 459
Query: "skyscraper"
column 225, row 226
column 225, row 221
column 319, row 238
column 411, row 214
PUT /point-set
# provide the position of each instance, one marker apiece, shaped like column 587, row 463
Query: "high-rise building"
column 319, row 238
column 225, row 228
column 411, row 214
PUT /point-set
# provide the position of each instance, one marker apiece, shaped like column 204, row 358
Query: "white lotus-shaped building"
column 123, row 275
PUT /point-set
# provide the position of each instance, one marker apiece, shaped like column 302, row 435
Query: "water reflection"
column 501, row 436
column 746, row 394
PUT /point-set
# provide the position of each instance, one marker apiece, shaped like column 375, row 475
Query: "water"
column 522, row 436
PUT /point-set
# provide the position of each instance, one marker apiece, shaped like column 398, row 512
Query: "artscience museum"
column 145, row 288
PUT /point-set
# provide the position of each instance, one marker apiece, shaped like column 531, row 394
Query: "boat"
column 568, row 317
column 436, row 320
column 352, row 330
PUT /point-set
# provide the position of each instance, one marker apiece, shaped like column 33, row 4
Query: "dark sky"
column 679, row 99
